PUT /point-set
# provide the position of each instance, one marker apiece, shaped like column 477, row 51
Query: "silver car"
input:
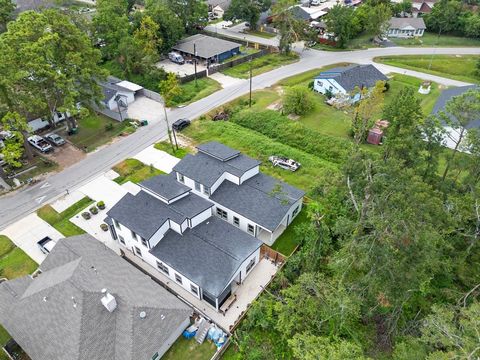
column 55, row 139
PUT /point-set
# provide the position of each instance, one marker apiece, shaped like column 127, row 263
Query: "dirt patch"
column 276, row 105
column 66, row 155
column 293, row 117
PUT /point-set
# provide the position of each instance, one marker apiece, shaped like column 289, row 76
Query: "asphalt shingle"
column 350, row 77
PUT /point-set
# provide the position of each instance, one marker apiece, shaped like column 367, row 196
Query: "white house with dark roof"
column 89, row 304
column 406, row 27
column 203, row 224
column 343, row 80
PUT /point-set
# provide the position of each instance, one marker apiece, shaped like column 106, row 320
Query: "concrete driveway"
column 145, row 108
column 159, row 159
column 180, row 70
column 26, row 232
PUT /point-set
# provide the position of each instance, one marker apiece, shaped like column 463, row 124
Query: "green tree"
column 51, row 80
column 170, row 27
column 170, row 88
column 341, row 21
column 298, row 100
column 6, row 13
column 290, row 27
column 402, row 8
column 18, row 127
column 147, row 36
column 311, row 347
column 190, row 12
column 247, row 10
column 110, row 26
column 378, row 17
column 446, row 16
column 472, row 26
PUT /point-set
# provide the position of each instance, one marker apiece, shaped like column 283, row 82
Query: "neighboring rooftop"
column 59, row 314
column 349, row 77
column 403, row 23
column 165, row 186
column 448, row 94
column 260, row 198
column 209, row 254
column 206, row 46
column 145, row 214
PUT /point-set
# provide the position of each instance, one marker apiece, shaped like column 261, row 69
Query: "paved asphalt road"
column 25, row 201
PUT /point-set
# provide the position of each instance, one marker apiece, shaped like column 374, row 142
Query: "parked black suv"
column 180, row 124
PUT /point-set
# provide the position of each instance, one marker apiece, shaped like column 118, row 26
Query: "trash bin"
column 144, row 122
column 73, row 131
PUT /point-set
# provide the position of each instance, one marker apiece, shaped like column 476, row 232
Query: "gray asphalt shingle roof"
column 145, row 214
column 261, row 198
column 218, row 150
column 165, row 186
column 59, row 315
column 401, row 23
column 349, row 77
column 209, row 254
column 448, row 94
column 206, row 46
column 206, row 169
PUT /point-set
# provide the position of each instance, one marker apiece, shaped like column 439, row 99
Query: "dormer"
column 166, row 188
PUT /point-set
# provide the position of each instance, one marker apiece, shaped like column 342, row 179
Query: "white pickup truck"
column 40, row 143
column 46, row 245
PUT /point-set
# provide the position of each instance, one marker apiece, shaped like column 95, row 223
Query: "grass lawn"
column 135, row 171
column 60, row 221
column 458, row 67
column 363, row 41
column 190, row 93
column 165, row 146
column 288, row 241
column 14, row 263
column 96, row 130
column 41, row 166
column 260, row 65
column 262, row 34
column 190, row 349
column 432, row 39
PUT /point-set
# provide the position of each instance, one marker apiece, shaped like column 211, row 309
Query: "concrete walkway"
column 158, row 158
column 225, row 80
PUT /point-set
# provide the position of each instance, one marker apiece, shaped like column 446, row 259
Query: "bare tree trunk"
column 26, row 145
column 455, row 150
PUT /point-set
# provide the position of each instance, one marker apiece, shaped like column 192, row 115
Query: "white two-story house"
column 202, row 224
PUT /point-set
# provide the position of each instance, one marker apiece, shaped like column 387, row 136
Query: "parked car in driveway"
column 180, row 124
column 46, row 245
column 284, row 163
column 55, row 139
column 40, row 143
column 176, row 58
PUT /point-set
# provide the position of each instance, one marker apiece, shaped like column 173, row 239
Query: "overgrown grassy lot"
column 135, row 171
column 458, row 67
column 96, row 130
column 260, row 65
column 39, row 165
column 432, row 39
column 259, row 33
column 61, row 221
column 180, row 153
column 191, row 92
column 14, row 263
column 190, row 349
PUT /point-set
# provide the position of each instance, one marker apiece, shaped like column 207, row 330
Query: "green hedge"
column 294, row 134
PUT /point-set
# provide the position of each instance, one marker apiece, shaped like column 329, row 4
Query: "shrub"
column 109, row 127
column 298, row 100
column 294, row 134
column 86, row 215
column 101, row 205
column 104, row 227
column 94, row 210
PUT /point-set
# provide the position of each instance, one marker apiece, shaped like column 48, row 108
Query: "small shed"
column 375, row 135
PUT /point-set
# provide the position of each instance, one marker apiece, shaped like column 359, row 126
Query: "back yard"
column 260, row 65
column 458, row 67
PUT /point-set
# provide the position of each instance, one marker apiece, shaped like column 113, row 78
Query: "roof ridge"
column 214, row 245
column 271, row 193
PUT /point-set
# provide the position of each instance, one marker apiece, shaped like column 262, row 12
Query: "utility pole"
column 250, row 100
column 168, row 126
column 195, row 61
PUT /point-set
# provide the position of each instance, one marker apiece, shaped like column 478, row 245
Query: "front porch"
column 268, row 237
column 245, row 293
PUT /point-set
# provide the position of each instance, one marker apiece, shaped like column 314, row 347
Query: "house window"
column 194, row 289
column 250, row 265
column 138, row 251
column 122, row 240
column 155, row 356
column 222, row 213
column 197, row 186
column 330, row 88
column 178, row 278
column 206, row 190
column 320, row 83
column 117, row 224
column 236, row 221
column 295, row 212
column 144, row 242
column 163, row 268
column 251, row 229
column 181, row 178
column 134, row 236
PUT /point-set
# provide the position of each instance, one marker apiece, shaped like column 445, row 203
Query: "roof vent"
column 143, row 314
column 162, row 317
column 108, row 300
column 45, row 298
